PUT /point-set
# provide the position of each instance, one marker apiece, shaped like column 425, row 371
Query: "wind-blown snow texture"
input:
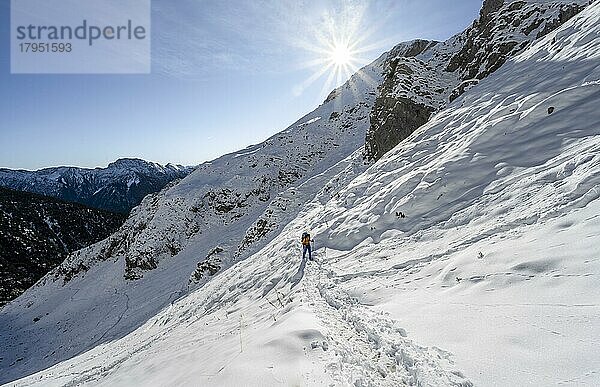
column 466, row 255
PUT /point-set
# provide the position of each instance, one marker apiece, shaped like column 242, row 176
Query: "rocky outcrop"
column 410, row 92
column 488, row 8
column 422, row 77
column 406, row 117
column 503, row 30
column 207, row 267
column 412, row 48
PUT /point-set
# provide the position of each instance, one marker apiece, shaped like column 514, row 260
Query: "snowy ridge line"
column 499, row 208
column 119, row 187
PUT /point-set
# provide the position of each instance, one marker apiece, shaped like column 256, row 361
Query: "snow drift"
column 466, row 255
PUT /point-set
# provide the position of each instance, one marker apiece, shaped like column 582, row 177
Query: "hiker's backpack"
column 306, row 239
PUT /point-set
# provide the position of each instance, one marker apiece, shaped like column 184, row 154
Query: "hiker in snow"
column 306, row 246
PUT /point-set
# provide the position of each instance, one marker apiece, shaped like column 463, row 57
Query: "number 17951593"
column 45, row 47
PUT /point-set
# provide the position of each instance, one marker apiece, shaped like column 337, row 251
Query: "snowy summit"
column 452, row 190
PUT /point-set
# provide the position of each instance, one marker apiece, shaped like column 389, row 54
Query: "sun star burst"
column 341, row 55
column 339, row 48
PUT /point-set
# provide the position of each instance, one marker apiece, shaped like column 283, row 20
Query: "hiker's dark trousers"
column 306, row 248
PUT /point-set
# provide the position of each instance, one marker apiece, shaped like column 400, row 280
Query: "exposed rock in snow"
column 465, row 256
column 421, row 77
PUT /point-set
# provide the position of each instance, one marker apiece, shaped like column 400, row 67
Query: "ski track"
column 465, row 188
column 365, row 348
column 126, row 297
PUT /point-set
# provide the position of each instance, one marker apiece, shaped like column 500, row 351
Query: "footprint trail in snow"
column 365, row 348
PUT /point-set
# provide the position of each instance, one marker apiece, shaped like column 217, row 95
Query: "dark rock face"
column 460, row 89
column 209, row 266
column 491, row 40
column 37, row 233
column 395, row 117
column 406, row 116
column 489, row 7
column 117, row 188
column 421, row 77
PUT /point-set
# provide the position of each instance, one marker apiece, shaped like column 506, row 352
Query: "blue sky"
column 225, row 74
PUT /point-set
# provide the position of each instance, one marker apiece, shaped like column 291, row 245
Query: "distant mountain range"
column 117, row 188
column 450, row 188
column 37, row 233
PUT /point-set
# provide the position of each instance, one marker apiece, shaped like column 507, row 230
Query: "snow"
column 99, row 190
column 219, row 204
column 246, row 153
column 310, row 121
column 134, row 180
column 524, row 314
column 503, row 177
column 491, row 278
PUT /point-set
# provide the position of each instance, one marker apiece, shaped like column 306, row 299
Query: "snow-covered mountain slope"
column 37, row 233
column 228, row 207
column 117, row 188
column 423, row 78
column 466, row 255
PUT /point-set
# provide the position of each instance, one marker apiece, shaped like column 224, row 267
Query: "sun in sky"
column 341, row 55
column 342, row 59
column 338, row 50
column 336, row 60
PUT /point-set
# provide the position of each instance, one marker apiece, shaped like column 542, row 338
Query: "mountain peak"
column 452, row 222
column 128, row 162
column 489, row 7
column 411, row 48
column 113, row 188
